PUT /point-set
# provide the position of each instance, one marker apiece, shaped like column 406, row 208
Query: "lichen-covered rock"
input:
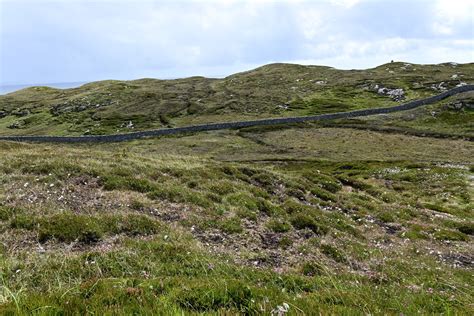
column 442, row 86
column 396, row 94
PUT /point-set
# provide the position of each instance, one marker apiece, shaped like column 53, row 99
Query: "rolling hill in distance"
column 366, row 215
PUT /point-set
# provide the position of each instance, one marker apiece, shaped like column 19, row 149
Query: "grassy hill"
column 360, row 216
column 109, row 107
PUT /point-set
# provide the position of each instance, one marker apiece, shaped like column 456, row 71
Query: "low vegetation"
column 300, row 219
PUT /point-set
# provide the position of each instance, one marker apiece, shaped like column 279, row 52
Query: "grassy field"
column 218, row 222
column 340, row 218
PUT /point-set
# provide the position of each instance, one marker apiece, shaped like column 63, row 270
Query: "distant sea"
column 4, row 89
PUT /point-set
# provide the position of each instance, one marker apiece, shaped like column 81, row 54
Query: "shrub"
column 333, row 253
column 59, row 168
column 266, row 207
column 242, row 199
column 416, row 232
column 22, row 221
column 6, row 212
column 386, row 217
column 114, row 182
column 231, row 171
column 67, row 227
column 328, row 183
column 135, row 224
column 265, row 180
column 452, row 235
column 312, row 268
column 222, row 187
column 278, row 226
column 291, row 206
column 302, row 221
column 231, row 225
column 285, row 242
column 171, row 193
column 323, row 194
column 467, row 228
column 213, row 297
column 137, row 205
column 296, row 193
column 244, row 213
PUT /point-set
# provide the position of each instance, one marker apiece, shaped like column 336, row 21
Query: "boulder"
column 442, row 86
column 395, row 94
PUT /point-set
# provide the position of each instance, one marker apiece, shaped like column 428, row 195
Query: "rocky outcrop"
column 395, row 94
column 441, row 87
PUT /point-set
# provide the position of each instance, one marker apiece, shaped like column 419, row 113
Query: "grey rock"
column 442, row 86
column 396, row 94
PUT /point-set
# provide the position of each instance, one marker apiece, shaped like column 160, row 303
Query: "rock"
column 15, row 125
column 442, row 86
column 21, row 112
column 461, row 84
column 129, row 124
column 457, row 105
column 3, row 114
column 396, row 94
column 460, row 105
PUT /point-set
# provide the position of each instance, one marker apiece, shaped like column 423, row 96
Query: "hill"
column 368, row 215
column 275, row 90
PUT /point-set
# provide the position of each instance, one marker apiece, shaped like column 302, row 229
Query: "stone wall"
column 241, row 124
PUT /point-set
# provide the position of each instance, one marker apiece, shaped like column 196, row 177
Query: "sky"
column 51, row 41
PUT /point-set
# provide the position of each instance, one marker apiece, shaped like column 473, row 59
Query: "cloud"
column 52, row 41
column 450, row 17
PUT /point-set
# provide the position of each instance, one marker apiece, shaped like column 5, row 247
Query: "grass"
column 330, row 220
column 138, row 239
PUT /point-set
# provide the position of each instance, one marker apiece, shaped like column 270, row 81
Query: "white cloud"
column 448, row 14
column 52, row 40
column 345, row 3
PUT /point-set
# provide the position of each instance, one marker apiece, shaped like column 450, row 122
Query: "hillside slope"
column 320, row 219
column 109, row 107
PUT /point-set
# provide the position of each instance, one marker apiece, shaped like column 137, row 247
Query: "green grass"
column 153, row 232
column 324, row 220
